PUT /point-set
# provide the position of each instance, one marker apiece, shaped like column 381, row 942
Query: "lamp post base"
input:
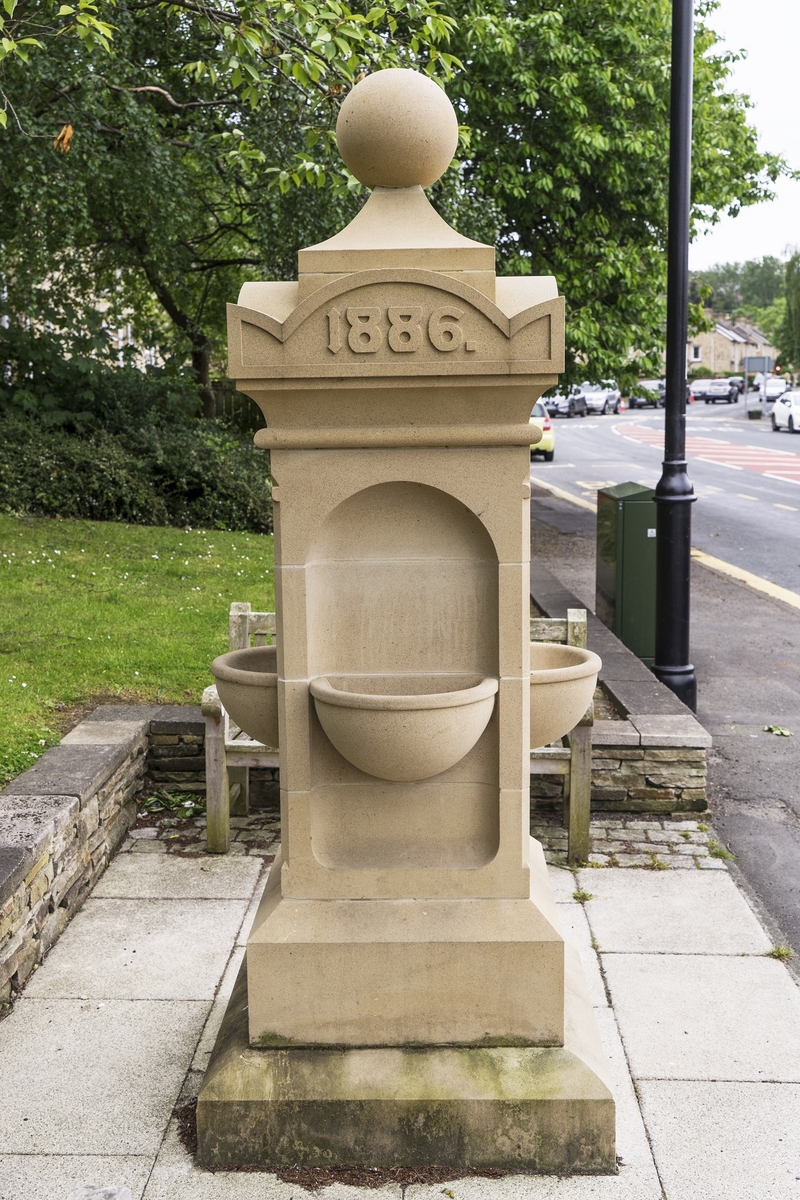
column 680, row 680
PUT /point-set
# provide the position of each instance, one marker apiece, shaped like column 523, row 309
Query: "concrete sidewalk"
column 702, row 1029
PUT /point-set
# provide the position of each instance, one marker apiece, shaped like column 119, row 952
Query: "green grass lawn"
column 91, row 610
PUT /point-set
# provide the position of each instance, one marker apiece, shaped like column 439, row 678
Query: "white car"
column 786, row 413
column 775, row 387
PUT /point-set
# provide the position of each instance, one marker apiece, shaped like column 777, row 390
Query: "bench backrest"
column 247, row 628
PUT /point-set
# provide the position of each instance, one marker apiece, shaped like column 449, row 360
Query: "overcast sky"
column 769, row 31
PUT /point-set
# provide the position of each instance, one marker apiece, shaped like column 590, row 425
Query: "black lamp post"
column 674, row 492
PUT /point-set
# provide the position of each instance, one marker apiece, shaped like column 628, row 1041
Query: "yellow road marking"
column 774, row 590
column 744, row 496
column 562, row 495
column 788, row 507
column 753, row 581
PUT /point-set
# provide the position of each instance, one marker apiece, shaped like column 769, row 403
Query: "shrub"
column 193, row 472
column 60, row 384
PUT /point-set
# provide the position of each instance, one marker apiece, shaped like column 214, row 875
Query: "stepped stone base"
column 537, row 1109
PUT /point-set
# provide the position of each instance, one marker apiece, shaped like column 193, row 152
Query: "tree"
column 757, row 283
column 185, row 140
column 568, row 109
column 32, row 26
column 202, row 150
column 789, row 334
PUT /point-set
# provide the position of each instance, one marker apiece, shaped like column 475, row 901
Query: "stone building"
column 724, row 348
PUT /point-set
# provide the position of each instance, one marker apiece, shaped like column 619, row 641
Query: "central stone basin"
column 404, row 727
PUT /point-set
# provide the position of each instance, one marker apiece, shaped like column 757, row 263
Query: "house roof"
column 731, row 334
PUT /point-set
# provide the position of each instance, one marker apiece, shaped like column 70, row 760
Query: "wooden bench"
column 230, row 753
column 573, row 759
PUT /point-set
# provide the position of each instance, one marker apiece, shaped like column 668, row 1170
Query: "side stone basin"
column 563, row 679
column 247, row 684
column 404, row 727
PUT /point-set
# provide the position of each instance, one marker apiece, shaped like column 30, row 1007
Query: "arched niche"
column 402, row 578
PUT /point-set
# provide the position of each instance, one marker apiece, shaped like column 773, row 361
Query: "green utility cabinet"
column 626, row 566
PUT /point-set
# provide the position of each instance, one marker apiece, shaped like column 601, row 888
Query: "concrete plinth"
column 531, row 1108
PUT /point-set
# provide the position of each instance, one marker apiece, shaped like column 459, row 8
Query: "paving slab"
column 662, row 912
column 54, row 1176
column 215, row 877
column 706, row 1017
column 142, row 950
column 563, row 883
column 725, row 1141
column 93, row 1077
column 575, row 928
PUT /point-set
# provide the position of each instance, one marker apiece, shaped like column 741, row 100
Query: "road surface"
column 745, row 629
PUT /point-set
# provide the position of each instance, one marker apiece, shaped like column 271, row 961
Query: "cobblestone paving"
column 637, row 841
column 659, row 843
column 258, row 834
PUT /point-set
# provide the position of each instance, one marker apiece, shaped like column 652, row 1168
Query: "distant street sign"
column 761, row 363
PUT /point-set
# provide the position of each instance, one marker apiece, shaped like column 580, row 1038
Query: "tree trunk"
column 201, row 364
column 201, row 346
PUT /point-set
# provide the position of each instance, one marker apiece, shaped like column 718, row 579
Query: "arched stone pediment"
column 395, row 322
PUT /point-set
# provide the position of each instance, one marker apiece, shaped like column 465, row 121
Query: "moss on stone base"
column 538, row 1109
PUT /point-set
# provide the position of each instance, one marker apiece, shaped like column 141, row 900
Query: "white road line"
column 788, row 507
column 715, row 463
column 782, row 478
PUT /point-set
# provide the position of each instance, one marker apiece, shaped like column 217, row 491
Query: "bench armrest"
column 211, row 705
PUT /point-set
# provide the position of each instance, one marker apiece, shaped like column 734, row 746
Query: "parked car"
column 602, row 397
column 786, row 413
column 567, row 402
column 712, row 390
column 547, row 446
column 648, row 391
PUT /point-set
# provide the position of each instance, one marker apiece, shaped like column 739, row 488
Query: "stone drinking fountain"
column 407, row 997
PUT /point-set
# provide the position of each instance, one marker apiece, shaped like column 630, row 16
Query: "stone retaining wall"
column 60, row 822
column 647, row 779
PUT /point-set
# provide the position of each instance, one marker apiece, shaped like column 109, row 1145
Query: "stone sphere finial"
column 397, row 129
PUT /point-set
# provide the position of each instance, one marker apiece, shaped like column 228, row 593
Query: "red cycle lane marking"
column 776, row 464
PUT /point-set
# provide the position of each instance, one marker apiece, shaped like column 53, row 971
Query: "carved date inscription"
column 404, row 328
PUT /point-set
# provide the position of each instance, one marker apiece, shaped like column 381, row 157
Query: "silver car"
column 602, row 397
column 712, row 390
column 567, row 402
